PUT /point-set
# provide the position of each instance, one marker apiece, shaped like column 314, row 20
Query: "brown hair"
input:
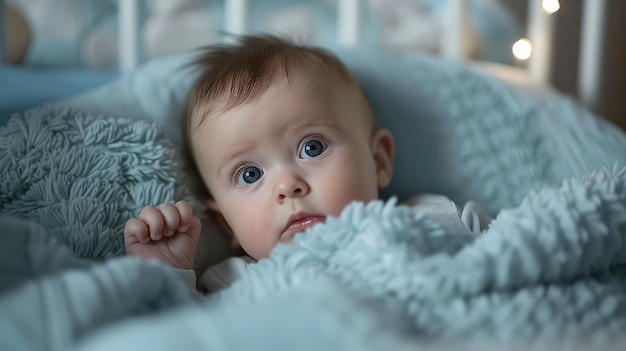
column 231, row 75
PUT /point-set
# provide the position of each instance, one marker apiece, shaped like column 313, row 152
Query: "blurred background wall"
column 406, row 25
column 611, row 101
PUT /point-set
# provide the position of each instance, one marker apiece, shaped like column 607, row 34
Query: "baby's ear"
column 383, row 152
column 215, row 214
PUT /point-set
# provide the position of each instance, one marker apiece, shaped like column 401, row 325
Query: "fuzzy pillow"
column 82, row 176
column 458, row 131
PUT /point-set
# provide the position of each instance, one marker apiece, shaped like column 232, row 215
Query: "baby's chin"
column 285, row 240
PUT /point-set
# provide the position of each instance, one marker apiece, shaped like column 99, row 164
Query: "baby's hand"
column 167, row 232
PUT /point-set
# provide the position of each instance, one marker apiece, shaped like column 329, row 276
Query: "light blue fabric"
column 156, row 91
column 51, row 298
column 550, row 272
column 82, row 175
column 458, row 132
column 470, row 136
column 550, row 268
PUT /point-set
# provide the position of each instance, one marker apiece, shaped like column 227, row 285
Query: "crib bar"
column 456, row 28
column 592, row 44
column 2, row 34
column 129, row 39
column 348, row 22
column 540, row 28
column 235, row 18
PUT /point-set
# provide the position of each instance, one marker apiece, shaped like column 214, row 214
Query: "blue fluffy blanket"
column 548, row 271
column 379, row 277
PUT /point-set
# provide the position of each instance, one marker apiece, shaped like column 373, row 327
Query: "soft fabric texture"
column 156, row 91
column 51, row 298
column 458, row 131
column 379, row 277
column 548, row 270
column 82, row 176
column 470, row 219
column 551, row 269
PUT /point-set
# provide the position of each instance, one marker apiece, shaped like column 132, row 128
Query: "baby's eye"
column 313, row 148
column 249, row 175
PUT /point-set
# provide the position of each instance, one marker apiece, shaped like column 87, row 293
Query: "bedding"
column 549, row 271
column 81, row 175
column 446, row 117
column 377, row 277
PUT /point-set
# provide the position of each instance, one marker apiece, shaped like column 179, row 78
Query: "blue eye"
column 313, row 148
column 249, row 175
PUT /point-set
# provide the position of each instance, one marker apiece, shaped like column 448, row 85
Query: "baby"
column 278, row 137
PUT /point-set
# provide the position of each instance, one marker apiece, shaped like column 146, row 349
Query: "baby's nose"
column 291, row 187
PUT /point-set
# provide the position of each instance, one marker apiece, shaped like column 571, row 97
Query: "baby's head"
column 277, row 137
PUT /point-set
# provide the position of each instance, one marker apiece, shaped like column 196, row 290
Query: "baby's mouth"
column 298, row 223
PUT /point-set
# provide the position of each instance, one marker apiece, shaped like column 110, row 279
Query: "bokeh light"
column 522, row 49
column 551, row 6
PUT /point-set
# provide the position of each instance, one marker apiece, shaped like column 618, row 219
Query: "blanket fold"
column 549, row 271
column 547, row 268
column 51, row 298
column 82, row 175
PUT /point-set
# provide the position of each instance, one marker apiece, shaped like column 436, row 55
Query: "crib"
column 349, row 22
column 548, row 272
column 453, row 39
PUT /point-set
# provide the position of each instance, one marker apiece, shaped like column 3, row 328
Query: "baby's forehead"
column 322, row 86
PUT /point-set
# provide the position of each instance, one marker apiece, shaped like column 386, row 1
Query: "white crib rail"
column 235, row 18
column 456, row 25
column 129, row 52
column 349, row 22
column 235, row 23
column 540, row 33
column 591, row 54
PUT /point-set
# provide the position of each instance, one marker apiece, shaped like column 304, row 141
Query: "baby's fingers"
column 154, row 220
column 188, row 222
column 185, row 213
column 136, row 230
column 170, row 218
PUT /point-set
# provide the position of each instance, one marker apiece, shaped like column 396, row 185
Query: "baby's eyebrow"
column 228, row 159
column 320, row 122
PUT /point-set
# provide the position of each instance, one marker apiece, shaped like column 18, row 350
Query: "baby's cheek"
column 341, row 191
column 255, row 235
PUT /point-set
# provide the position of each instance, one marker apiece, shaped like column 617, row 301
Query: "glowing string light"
column 551, row 6
column 522, row 49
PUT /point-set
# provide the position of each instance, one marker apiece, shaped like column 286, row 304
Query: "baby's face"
column 286, row 160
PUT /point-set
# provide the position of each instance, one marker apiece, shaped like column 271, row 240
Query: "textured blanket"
column 81, row 175
column 548, row 272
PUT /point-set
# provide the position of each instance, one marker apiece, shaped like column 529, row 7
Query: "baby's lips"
column 301, row 223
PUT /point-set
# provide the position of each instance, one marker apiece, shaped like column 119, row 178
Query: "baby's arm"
column 167, row 232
